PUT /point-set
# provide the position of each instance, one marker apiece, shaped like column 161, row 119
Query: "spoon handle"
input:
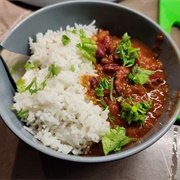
column 13, row 62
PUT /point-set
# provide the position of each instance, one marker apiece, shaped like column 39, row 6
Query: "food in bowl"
column 88, row 92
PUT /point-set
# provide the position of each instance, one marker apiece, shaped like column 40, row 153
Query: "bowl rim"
column 98, row 159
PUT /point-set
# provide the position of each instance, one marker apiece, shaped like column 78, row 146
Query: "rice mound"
column 61, row 116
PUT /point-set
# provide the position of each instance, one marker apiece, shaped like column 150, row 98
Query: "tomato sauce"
column 109, row 65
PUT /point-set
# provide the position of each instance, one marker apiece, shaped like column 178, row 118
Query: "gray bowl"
column 110, row 16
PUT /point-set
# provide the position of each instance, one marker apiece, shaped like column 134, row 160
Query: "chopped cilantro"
column 43, row 84
column 30, row 65
column 74, row 31
column 115, row 139
column 127, row 53
column 65, row 40
column 87, row 47
column 105, row 106
column 135, row 111
column 119, row 99
column 53, row 71
column 139, row 75
column 104, row 84
column 23, row 113
column 72, row 68
column 111, row 118
column 99, row 92
column 21, row 85
column 111, row 86
column 33, row 87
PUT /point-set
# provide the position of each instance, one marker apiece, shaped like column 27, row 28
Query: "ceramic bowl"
column 115, row 18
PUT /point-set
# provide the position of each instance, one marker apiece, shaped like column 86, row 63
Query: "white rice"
column 61, row 116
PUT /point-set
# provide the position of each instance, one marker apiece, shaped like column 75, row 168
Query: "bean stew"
column 131, row 84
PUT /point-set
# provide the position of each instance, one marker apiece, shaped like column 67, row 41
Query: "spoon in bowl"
column 13, row 64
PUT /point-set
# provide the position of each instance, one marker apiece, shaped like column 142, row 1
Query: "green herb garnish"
column 72, row 68
column 23, row 113
column 21, row 85
column 115, row 139
column 135, row 111
column 53, row 71
column 127, row 53
column 111, row 87
column 30, row 65
column 105, row 106
column 103, row 85
column 139, row 75
column 120, row 98
column 111, row 118
column 33, row 87
column 99, row 92
column 87, row 47
column 65, row 40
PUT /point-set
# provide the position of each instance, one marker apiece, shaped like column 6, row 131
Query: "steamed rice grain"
column 61, row 116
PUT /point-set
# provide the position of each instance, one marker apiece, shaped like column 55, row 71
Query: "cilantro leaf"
column 111, row 88
column 30, row 65
column 127, row 53
column 33, row 87
column 74, row 31
column 21, row 85
column 99, row 92
column 53, row 71
column 23, row 113
column 115, row 139
column 110, row 117
column 104, row 84
column 103, row 104
column 72, row 68
column 139, row 75
column 87, row 47
column 135, row 111
column 65, row 40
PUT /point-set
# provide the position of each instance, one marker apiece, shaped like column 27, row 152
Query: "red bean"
column 110, row 68
column 93, row 82
column 101, row 51
column 116, row 57
column 106, row 40
column 104, row 61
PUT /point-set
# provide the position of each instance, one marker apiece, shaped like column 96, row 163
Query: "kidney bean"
column 110, row 68
column 116, row 57
column 101, row 51
column 106, row 40
column 104, row 61
column 93, row 82
column 107, row 60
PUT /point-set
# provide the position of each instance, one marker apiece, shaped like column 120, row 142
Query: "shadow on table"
column 31, row 164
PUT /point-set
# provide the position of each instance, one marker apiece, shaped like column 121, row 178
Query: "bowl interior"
column 118, row 20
